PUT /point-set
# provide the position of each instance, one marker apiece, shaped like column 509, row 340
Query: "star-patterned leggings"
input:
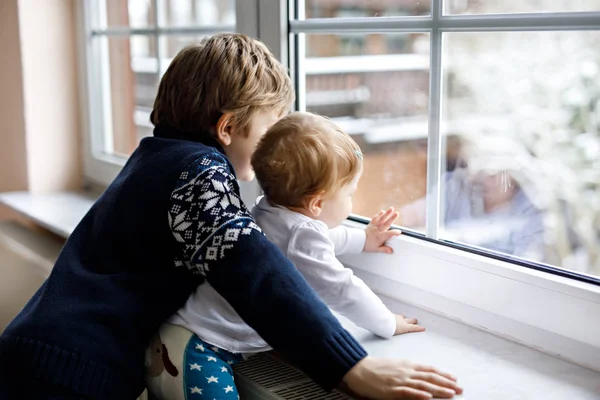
column 207, row 373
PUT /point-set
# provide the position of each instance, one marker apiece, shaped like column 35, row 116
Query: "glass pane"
column 522, row 112
column 130, row 84
column 521, row 6
column 197, row 13
column 375, row 87
column 171, row 45
column 119, row 13
column 361, row 8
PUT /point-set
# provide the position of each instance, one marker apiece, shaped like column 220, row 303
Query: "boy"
column 308, row 169
column 162, row 228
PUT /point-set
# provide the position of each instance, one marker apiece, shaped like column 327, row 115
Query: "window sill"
column 58, row 212
column 488, row 367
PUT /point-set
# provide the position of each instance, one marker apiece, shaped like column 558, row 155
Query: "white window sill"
column 58, row 212
column 488, row 367
column 556, row 315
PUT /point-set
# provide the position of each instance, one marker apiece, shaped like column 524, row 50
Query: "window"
column 479, row 120
column 129, row 46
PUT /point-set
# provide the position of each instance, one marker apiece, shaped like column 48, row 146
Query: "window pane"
column 361, row 8
column 171, row 45
column 521, row 111
column 129, row 86
column 521, row 6
column 375, row 87
column 197, row 12
column 119, row 13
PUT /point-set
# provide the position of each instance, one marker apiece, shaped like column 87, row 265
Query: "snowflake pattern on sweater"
column 207, row 215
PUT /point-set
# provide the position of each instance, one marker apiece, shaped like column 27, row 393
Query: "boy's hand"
column 379, row 378
column 378, row 231
column 407, row 325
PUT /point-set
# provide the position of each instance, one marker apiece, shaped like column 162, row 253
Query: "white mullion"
column 157, row 39
column 298, row 62
column 165, row 31
column 458, row 23
column 434, row 143
column 366, row 25
column 521, row 22
column 273, row 27
column 246, row 17
column 92, row 15
column 247, row 23
column 103, row 140
column 300, row 73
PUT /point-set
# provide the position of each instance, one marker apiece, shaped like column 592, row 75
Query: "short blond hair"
column 304, row 154
column 223, row 73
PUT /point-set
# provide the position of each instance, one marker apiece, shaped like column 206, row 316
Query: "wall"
column 49, row 59
column 40, row 146
column 40, row 135
column 13, row 162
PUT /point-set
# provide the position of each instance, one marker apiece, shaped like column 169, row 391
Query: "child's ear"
column 224, row 129
column 314, row 205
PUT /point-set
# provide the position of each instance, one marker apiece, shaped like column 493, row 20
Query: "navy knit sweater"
column 170, row 221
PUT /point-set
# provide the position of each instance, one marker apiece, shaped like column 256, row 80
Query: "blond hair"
column 304, row 154
column 224, row 73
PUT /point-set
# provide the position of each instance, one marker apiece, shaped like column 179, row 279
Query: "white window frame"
column 553, row 313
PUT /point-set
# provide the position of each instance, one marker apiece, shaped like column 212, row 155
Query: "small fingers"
column 416, row 328
column 376, row 219
column 391, row 234
column 384, row 215
column 390, row 217
column 385, row 249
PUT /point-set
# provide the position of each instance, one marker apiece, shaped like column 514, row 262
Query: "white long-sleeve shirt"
column 312, row 248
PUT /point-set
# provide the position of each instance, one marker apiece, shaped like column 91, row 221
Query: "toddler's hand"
column 378, row 231
column 407, row 325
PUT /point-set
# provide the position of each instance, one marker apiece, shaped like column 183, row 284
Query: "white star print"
column 199, row 347
column 211, row 358
column 215, row 349
column 195, row 390
column 212, row 379
column 229, row 389
column 223, row 369
column 195, row 366
column 230, row 362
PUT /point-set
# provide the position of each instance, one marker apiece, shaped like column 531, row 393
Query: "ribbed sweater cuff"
column 344, row 352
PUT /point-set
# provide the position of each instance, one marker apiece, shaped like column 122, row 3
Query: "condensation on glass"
column 523, row 112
